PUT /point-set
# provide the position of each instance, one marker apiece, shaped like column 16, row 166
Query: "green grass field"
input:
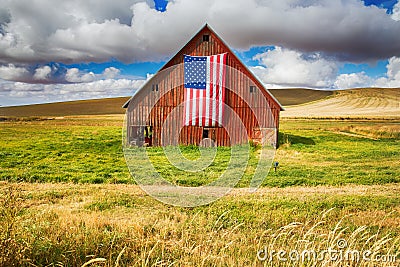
column 67, row 198
column 312, row 152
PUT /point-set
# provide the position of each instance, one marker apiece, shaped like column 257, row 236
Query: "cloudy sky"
column 57, row 50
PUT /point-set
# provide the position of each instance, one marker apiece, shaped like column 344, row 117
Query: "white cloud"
column 353, row 80
column 40, row 93
column 111, row 72
column 12, row 72
column 132, row 30
column 317, row 36
column 396, row 12
column 282, row 68
column 53, row 74
column 100, row 88
column 392, row 78
column 42, row 73
column 288, row 68
column 393, row 68
column 74, row 75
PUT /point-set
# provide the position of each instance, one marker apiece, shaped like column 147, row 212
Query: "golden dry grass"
column 83, row 107
column 298, row 96
column 118, row 225
column 372, row 102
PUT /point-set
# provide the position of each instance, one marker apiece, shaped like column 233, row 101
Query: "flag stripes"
column 204, row 90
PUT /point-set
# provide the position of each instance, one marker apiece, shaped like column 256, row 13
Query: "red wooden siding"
column 152, row 107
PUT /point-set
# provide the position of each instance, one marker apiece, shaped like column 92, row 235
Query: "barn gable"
column 195, row 47
column 163, row 95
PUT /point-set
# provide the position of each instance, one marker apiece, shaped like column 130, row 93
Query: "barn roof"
column 247, row 71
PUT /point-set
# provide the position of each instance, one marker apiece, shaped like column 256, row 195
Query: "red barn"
column 155, row 114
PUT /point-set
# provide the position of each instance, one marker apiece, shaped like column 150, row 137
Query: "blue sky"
column 388, row 5
column 56, row 50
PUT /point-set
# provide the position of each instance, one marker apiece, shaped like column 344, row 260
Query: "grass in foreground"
column 88, row 149
column 118, row 225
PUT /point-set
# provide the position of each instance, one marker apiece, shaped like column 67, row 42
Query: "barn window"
column 154, row 88
column 206, row 38
column 252, row 88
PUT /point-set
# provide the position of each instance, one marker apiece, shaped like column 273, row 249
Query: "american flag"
column 204, row 90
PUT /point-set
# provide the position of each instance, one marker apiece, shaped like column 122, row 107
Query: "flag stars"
column 195, row 72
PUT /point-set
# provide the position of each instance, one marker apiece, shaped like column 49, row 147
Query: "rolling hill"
column 70, row 108
column 298, row 103
column 366, row 102
column 297, row 96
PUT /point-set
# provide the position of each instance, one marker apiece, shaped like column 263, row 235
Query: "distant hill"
column 82, row 107
column 113, row 105
column 298, row 102
column 297, row 96
column 365, row 102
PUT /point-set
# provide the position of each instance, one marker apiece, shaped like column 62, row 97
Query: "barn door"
column 136, row 135
column 141, row 135
column 212, row 133
column 209, row 134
